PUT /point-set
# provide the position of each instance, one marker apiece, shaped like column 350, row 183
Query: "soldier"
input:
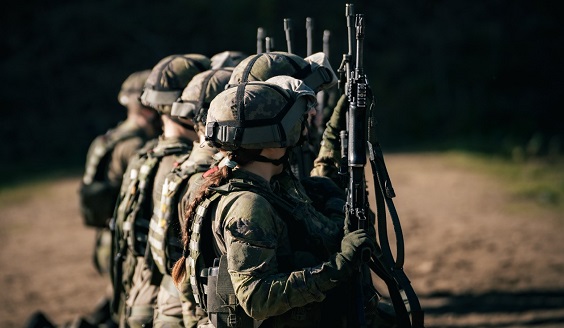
column 255, row 250
column 106, row 162
column 136, row 280
column 314, row 70
column 174, row 309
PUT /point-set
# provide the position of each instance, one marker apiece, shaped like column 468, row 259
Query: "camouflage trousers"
column 103, row 251
column 141, row 298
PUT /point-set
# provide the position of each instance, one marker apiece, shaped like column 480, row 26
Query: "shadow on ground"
column 547, row 305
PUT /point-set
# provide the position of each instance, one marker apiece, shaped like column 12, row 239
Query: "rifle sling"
column 392, row 269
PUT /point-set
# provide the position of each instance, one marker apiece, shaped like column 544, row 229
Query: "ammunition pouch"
column 222, row 305
column 97, row 202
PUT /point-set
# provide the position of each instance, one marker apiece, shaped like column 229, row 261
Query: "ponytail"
column 214, row 177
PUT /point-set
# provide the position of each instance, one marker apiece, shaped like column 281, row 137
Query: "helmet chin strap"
column 182, row 124
column 304, row 136
column 276, row 162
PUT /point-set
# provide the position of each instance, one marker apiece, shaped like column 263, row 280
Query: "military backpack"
column 97, row 195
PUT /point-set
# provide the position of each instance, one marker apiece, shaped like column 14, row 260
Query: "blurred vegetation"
column 482, row 76
column 529, row 179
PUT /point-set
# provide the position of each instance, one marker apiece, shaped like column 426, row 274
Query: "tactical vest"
column 211, row 286
column 164, row 233
column 134, row 211
column 97, row 195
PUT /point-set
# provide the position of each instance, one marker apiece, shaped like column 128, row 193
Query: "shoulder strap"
column 100, row 154
column 164, row 238
column 134, row 212
column 195, row 262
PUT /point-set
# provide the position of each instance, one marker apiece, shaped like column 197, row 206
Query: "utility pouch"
column 222, row 305
column 97, row 202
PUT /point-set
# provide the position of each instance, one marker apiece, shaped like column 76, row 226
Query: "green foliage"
column 538, row 180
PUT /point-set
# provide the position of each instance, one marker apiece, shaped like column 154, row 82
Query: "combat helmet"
column 227, row 59
column 132, row 87
column 169, row 77
column 315, row 70
column 257, row 114
column 200, row 91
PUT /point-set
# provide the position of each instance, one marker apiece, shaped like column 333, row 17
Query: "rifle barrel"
column 326, row 38
column 260, row 38
column 288, row 30
column 309, row 35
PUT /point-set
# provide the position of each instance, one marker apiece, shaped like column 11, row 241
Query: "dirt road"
column 475, row 257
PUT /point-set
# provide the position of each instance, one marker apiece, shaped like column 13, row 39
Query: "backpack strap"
column 164, row 232
column 99, row 159
column 195, row 263
column 134, row 212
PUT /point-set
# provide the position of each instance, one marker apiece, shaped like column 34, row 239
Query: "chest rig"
column 135, row 208
column 211, row 285
column 164, row 231
column 98, row 195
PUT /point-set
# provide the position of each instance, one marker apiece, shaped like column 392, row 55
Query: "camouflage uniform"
column 106, row 163
column 135, row 273
column 172, row 308
column 278, row 260
column 135, row 138
column 316, row 73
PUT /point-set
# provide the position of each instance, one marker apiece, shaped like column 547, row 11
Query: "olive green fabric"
column 198, row 94
column 260, row 115
column 329, row 157
column 227, row 59
column 106, row 161
column 164, row 238
column 169, row 77
column 269, row 250
column 133, row 86
column 341, row 265
column 315, row 70
column 141, row 298
column 261, row 67
column 140, row 192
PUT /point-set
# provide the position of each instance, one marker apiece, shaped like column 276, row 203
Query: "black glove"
column 342, row 264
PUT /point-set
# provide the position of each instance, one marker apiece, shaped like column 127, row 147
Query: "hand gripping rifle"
column 358, row 142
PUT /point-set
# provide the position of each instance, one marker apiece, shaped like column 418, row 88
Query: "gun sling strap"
column 384, row 265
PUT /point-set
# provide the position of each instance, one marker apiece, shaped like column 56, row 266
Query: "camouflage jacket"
column 271, row 234
column 106, row 162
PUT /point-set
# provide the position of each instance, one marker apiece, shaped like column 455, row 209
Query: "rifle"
column 309, row 36
column 260, row 38
column 269, row 44
column 288, row 33
column 355, row 143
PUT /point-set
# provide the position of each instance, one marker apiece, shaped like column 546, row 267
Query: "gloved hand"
column 342, row 264
column 354, row 243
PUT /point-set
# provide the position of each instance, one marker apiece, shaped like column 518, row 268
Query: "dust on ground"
column 475, row 256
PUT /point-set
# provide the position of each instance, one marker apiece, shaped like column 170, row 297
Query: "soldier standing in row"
column 276, row 257
column 174, row 309
column 106, row 162
column 136, row 279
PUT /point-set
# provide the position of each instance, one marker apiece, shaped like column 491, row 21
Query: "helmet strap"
column 182, row 123
column 276, row 162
